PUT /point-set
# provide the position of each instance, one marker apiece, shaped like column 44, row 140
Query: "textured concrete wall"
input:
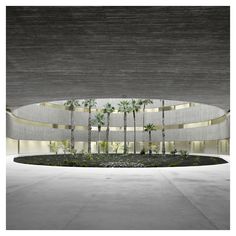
column 173, row 52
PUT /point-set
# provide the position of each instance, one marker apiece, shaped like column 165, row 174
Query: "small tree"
column 54, row 147
column 155, row 148
column 65, row 145
column 116, row 146
column 149, row 128
column 99, row 121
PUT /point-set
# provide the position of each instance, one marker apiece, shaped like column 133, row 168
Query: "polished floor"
column 41, row 197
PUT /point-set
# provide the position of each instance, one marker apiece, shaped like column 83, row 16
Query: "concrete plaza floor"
column 43, row 197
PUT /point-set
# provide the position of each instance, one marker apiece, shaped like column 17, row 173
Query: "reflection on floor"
column 41, row 197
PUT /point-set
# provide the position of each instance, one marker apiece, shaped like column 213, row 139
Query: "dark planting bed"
column 119, row 160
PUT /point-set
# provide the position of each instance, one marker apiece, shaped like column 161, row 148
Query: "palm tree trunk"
column 18, row 146
column 143, row 123
column 134, row 132
column 107, row 132
column 99, row 129
column 125, row 128
column 150, row 142
column 72, row 139
column 89, row 131
column 163, row 129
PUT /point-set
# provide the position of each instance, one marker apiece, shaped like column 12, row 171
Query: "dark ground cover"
column 119, row 160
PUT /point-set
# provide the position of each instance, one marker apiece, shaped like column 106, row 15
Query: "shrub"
column 103, row 146
column 173, row 164
column 183, row 153
column 142, row 152
column 173, row 152
column 88, row 156
column 73, row 152
column 155, row 148
column 113, row 160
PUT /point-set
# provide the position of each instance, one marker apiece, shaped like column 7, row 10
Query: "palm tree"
column 71, row 105
column 149, row 128
column 135, row 107
column 124, row 106
column 99, row 121
column 89, row 103
column 145, row 102
column 163, row 128
column 108, row 109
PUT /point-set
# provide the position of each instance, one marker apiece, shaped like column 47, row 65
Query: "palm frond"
column 149, row 127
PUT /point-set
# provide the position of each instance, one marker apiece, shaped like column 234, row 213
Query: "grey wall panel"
column 26, row 132
column 197, row 113
column 220, row 131
column 43, row 114
column 211, row 147
column 22, row 131
column 193, row 114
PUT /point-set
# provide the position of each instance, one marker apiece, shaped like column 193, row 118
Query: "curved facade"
column 195, row 127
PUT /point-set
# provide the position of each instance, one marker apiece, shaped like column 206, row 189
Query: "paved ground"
column 41, row 197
